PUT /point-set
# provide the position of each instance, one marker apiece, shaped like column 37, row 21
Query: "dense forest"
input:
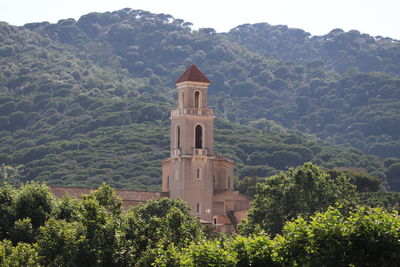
column 88, row 101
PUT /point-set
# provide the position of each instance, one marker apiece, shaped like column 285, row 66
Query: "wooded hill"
column 88, row 101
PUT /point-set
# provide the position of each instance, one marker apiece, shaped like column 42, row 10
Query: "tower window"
column 198, row 174
column 178, row 136
column 213, row 180
column 197, row 100
column 199, row 137
column 168, row 181
column 198, row 208
column 229, row 182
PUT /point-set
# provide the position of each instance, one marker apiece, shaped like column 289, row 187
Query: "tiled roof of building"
column 193, row 74
column 129, row 197
column 221, row 158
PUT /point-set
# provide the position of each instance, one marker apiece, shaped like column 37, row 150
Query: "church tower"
column 193, row 172
column 192, row 145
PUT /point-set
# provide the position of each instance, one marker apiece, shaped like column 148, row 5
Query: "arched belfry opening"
column 197, row 99
column 199, row 137
column 178, row 137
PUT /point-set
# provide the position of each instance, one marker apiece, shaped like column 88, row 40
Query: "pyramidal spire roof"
column 193, row 74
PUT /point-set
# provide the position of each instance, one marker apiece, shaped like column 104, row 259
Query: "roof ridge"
column 95, row 188
column 192, row 74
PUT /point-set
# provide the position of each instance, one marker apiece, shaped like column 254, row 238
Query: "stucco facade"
column 193, row 172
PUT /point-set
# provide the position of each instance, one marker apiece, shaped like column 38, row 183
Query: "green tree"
column 300, row 191
column 22, row 231
column 363, row 237
column 167, row 256
column 384, row 199
column 210, row 253
column 34, row 201
column 252, row 251
column 22, row 255
column 394, row 176
column 7, row 210
column 363, row 181
column 247, row 185
column 105, row 195
column 233, row 251
column 59, row 242
column 67, row 208
column 158, row 221
column 102, row 240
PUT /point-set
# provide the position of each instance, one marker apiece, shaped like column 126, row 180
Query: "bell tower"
column 192, row 123
column 187, row 174
column 193, row 172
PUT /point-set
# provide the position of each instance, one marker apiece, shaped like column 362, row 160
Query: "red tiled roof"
column 193, row 74
column 221, row 158
column 129, row 197
column 60, row 192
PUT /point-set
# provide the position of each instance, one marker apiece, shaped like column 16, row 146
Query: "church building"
column 193, row 172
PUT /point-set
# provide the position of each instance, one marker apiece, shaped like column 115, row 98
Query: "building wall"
column 166, row 175
column 197, row 175
column 187, row 124
column 223, row 172
column 185, row 184
column 188, row 89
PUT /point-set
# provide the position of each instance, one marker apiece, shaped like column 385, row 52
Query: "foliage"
column 247, row 185
column 34, row 201
column 253, row 251
column 359, row 237
column 101, row 241
column 58, row 243
column 85, row 102
column 363, row 181
column 7, row 210
column 164, row 232
column 67, row 208
column 338, row 50
column 22, row 255
column 366, row 237
column 161, row 221
column 211, row 253
column 383, row 199
column 105, row 195
column 22, row 231
column 298, row 192
column 394, row 176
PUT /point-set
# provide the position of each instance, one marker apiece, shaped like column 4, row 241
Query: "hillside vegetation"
column 338, row 50
column 88, row 101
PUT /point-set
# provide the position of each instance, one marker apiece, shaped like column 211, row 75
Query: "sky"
column 375, row 17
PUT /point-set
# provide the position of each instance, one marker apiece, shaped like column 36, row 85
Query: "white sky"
column 375, row 17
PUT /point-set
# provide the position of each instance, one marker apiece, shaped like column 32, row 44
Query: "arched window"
column 198, row 174
column 197, row 99
column 178, row 136
column 168, row 181
column 229, row 182
column 199, row 137
column 181, row 99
